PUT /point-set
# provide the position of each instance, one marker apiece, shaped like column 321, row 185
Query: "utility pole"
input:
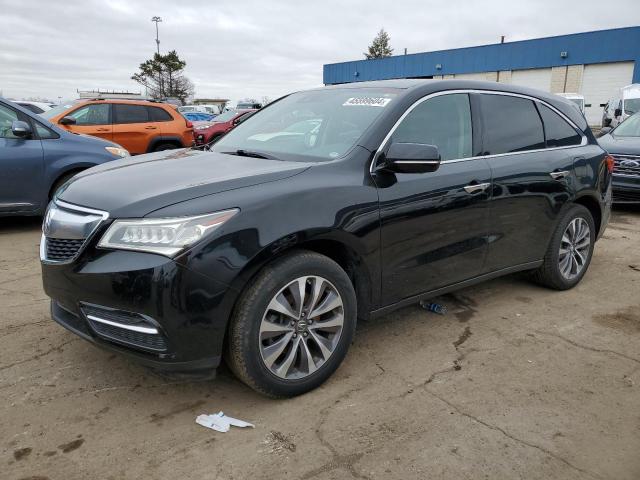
column 157, row 20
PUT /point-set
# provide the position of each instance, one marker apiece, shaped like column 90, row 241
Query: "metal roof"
column 602, row 46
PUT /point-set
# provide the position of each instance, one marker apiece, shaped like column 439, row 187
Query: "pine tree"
column 380, row 47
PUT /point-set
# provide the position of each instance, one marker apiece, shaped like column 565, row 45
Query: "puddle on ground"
column 626, row 320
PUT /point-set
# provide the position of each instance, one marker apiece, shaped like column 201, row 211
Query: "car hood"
column 620, row 145
column 136, row 186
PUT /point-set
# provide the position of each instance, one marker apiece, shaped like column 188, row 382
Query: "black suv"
column 267, row 249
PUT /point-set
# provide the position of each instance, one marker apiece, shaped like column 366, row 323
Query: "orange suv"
column 140, row 126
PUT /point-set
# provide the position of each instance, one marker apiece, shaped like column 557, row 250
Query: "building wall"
column 617, row 45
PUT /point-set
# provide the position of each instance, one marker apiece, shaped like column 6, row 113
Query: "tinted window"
column 157, row 114
column 557, row 131
column 124, row 113
column 7, row 117
column 95, row 114
column 443, row 121
column 511, row 124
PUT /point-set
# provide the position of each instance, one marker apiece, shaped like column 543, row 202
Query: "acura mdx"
column 266, row 249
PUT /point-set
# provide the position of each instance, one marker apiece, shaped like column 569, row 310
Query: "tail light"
column 189, row 124
column 609, row 162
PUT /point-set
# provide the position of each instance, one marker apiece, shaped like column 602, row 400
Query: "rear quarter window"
column 558, row 132
column 157, row 114
column 510, row 124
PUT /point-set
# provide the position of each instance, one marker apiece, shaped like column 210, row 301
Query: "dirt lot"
column 514, row 382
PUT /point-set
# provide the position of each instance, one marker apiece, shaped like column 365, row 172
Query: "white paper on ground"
column 220, row 422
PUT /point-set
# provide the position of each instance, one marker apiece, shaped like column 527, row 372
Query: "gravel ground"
column 516, row 381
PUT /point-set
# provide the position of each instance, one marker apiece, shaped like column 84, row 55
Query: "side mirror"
column 605, row 130
column 67, row 121
column 21, row 129
column 412, row 158
column 618, row 112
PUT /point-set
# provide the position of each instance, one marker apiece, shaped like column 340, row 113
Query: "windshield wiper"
column 250, row 153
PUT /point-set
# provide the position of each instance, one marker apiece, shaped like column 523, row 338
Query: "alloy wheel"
column 301, row 327
column 574, row 248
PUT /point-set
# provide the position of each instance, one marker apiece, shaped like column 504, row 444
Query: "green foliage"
column 163, row 77
column 380, row 47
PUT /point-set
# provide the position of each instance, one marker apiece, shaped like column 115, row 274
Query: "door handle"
column 559, row 175
column 476, row 187
column 150, row 128
column 102, row 129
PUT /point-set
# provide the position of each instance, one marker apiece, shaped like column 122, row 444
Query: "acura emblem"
column 630, row 163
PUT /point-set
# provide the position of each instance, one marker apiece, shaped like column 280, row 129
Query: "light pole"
column 157, row 20
column 160, row 83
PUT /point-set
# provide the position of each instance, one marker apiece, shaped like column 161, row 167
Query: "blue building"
column 594, row 64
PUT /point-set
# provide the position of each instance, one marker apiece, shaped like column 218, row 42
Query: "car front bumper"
column 626, row 189
column 116, row 298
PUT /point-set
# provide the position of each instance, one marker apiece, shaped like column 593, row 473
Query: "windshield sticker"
column 367, row 101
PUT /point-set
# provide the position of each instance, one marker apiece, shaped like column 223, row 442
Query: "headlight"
column 117, row 151
column 202, row 127
column 165, row 236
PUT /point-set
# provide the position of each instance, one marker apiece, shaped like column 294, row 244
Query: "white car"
column 35, row 107
column 212, row 109
column 576, row 98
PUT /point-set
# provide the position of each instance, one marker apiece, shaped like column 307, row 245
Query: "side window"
column 511, row 124
column 157, row 114
column 443, row 121
column 94, row 114
column 7, row 117
column 557, row 131
column 124, row 113
column 44, row 133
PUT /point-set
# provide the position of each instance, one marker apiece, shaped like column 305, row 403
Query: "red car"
column 206, row 132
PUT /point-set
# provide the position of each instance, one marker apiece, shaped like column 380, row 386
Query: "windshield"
column 317, row 125
column 226, row 116
column 631, row 105
column 629, row 128
column 578, row 102
column 56, row 110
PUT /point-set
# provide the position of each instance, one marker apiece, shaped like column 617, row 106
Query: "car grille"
column 627, row 165
column 61, row 249
column 132, row 329
column 66, row 229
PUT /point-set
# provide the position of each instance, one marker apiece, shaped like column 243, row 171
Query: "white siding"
column 471, row 76
column 539, row 78
column 599, row 83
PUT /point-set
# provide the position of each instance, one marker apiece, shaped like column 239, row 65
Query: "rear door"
column 133, row 128
column 434, row 225
column 92, row 119
column 533, row 177
column 21, row 166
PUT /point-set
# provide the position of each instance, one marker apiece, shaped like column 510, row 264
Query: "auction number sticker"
column 367, row 101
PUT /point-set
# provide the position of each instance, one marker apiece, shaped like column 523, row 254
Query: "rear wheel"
column 570, row 250
column 293, row 325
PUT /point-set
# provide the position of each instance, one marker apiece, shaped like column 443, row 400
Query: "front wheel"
column 570, row 250
column 293, row 325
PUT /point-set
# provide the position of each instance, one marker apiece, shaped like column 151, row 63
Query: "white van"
column 576, row 98
column 623, row 104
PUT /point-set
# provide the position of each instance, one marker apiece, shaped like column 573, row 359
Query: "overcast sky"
column 254, row 48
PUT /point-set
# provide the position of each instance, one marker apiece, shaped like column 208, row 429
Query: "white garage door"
column 599, row 83
column 471, row 76
column 539, row 78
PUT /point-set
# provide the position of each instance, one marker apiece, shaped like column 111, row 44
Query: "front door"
column 434, row 225
column 21, row 166
column 92, row 119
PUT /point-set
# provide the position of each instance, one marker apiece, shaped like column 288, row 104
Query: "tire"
column 164, row 146
column 60, row 182
column 252, row 341
column 552, row 274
